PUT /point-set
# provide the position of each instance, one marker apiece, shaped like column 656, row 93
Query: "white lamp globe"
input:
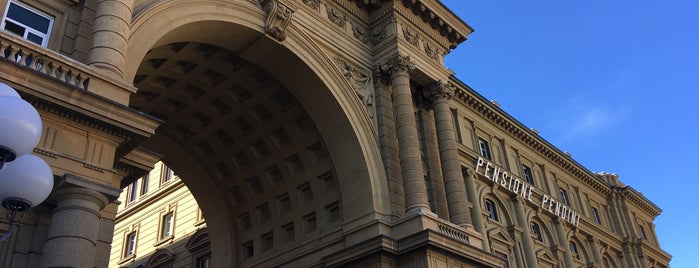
column 21, row 127
column 26, row 179
column 6, row 90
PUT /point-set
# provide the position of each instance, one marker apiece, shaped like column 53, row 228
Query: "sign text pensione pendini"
column 525, row 190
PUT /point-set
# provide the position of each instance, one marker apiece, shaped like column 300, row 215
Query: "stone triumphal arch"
column 312, row 133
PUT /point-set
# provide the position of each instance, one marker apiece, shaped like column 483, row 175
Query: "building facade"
column 313, row 133
column 159, row 224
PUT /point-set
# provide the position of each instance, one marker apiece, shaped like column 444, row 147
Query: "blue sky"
column 615, row 83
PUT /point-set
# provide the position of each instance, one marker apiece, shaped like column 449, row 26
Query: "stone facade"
column 312, row 133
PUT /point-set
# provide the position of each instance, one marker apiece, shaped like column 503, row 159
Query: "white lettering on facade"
column 522, row 188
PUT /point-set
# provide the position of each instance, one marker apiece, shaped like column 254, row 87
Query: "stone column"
column 451, row 169
column 528, row 246
column 563, row 242
column 73, row 232
column 476, row 212
column 110, row 35
column 416, row 200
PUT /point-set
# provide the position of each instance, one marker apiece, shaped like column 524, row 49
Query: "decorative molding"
column 278, row 18
column 378, row 35
column 412, row 37
column 441, row 90
column 395, row 63
column 314, row 4
column 362, row 84
column 431, row 52
column 359, row 33
column 336, row 17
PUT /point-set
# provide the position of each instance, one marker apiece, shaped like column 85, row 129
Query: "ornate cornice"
column 428, row 13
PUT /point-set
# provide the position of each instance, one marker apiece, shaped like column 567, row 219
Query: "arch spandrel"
column 319, row 87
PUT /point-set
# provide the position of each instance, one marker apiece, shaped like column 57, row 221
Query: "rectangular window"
column 527, row 174
column 27, row 22
column 133, row 192
column 167, row 174
column 564, row 196
column 144, row 184
column 643, row 232
column 166, row 225
column 130, row 244
column 595, row 216
column 204, row 261
column 484, row 148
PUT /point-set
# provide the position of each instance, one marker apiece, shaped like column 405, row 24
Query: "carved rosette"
column 278, row 18
column 441, row 91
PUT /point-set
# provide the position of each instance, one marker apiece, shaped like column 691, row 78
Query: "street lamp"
column 25, row 180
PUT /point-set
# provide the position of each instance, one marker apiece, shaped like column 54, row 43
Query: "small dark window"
column 167, row 224
column 643, row 232
column 564, row 196
column 144, row 184
column 485, row 148
column 204, row 261
column 492, row 209
column 130, row 244
column 595, row 216
column 574, row 250
column 527, row 173
column 132, row 195
column 536, row 231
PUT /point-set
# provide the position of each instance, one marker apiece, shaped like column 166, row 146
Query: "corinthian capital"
column 396, row 63
column 441, row 90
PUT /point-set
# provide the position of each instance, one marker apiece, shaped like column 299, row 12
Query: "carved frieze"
column 278, row 18
column 378, row 35
column 314, row 4
column 431, row 52
column 412, row 37
column 359, row 33
column 337, row 17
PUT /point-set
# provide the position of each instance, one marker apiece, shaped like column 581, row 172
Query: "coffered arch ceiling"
column 252, row 140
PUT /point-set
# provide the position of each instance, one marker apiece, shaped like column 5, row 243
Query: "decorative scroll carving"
column 362, row 84
column 395, row 63
column 431, row 52
column 378, row 35
column 336, row 17
column 314, row 4
column 410, row 36
column 441, row 90
column 278, row 18
column 359, row 33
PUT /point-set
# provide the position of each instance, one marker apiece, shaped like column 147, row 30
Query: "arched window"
column 574, row 250
column 492, row 209
column 536, row 231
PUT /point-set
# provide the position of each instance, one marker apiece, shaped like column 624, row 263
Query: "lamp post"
column 25, row 180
